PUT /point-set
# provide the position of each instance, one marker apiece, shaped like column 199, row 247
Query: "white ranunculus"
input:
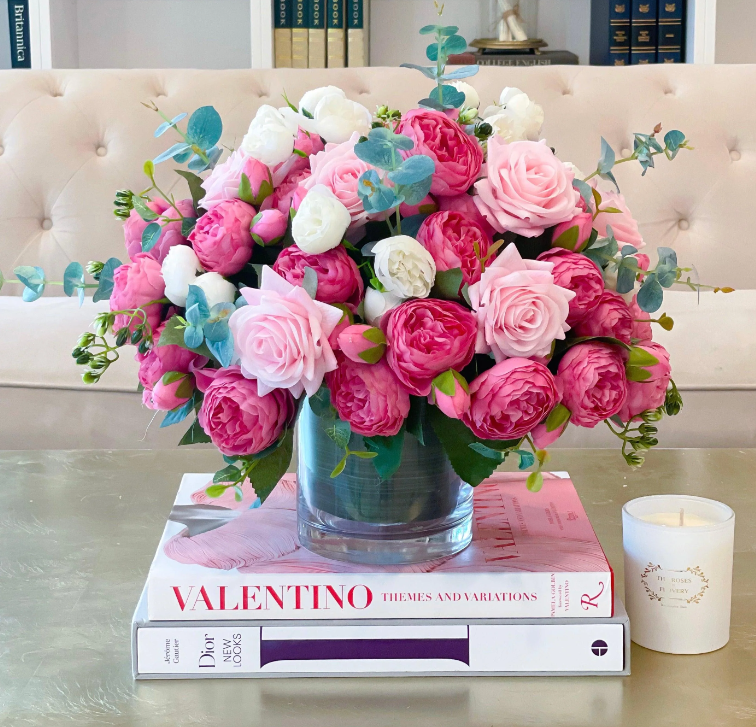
column 320, row 222
column 516, row 118
column 311, row 99
column 377, row 303
column 577, row 172
column 472, row 100
column 508, row 94
column 216, row 288
column 404, row 267
column 180, row 268
column 337, row 118
column 270, row 138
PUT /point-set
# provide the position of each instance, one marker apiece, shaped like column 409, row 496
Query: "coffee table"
column 78, row 531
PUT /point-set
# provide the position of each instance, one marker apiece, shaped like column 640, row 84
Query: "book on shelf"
column 282, row 21
column 670, row 31
column 544, row 58
column 643, row 32
column 316, row 33
column 610, row 33
column 18, row 31
column 336, row 33
column 512, row 647
column 299, row 34
column 358, row 39
column 533, row 555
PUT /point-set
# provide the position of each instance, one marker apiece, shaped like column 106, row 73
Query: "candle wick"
column 682, row 517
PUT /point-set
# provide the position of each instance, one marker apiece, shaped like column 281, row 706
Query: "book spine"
column 552, row 58
column 336, row 39
column 610, row 33
column 357, row 33
column 671, row 13
column 299, row 34
column 331, row 596
column 282, row 32
column 316, row 34
column 18, row 25
column 220, row 650
column 643, row 32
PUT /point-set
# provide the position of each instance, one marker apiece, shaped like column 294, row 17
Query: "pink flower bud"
column 362, row 344
column 269, row 226
column 168, row 396
column 450, row 393
column 584, row 224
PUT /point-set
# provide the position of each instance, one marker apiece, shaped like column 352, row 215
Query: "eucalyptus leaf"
column 487, row 452
column 625, row 279
column 196, row 301
column 73, row 276
column 427, row 71
column 174, row 416
column 458, row 73
column 651, row 294
column 171, row 152
column 140, row 205
column 607, row 159
column 205, row 127
column 415, row 193
column 310, row 282
column 105, row 284
column 150, row 236
column 584, row 189
column 527, row 459
column 193, row 337
column 447, row 96
column 413, row 169
column 222, row 350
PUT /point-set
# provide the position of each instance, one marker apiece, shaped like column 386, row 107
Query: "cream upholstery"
column 69, row 139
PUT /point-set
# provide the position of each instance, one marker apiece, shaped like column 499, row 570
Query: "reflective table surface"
column 78, row 531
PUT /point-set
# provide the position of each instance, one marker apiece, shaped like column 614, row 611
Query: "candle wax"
column 672, row 519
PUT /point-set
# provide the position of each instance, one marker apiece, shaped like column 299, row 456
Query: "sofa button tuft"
column 47, row 224
column 2, row 150
column 735, row 155
column 101, row 151
column 626, row 152
column 683, row 225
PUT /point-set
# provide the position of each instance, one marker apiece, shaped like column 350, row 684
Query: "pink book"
column 532, row 555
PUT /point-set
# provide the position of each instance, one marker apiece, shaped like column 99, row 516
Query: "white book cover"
column 533, row 555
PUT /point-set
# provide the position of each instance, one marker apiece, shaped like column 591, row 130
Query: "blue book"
column 18, row 27
column 610, row 33
column 643, row 32
column 671, row 36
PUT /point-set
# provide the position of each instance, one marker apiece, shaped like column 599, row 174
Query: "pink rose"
column 134, row 285
column 308, row 144
column 164, row 397
column 527, row 189
column 624, row 227
column 425, row 338
column 221, row 237
column 510, row 399
column 609, row 317
column 583, row 223
column 457, row 155
column 170, row 235
column 339, row 169
column 281, row 336
column 237, row 417
column 521, row 310
column 270, row 226
column 648, row 394
column 159, row 360
column 465, row 203
column 223, row 182
column 450, row 238
column 592, row 378
column 288, row 194
column 456, row 403
column 577, row 273
column 362, row 344
column 369, row 397
column 339, row 279
column 641, row 322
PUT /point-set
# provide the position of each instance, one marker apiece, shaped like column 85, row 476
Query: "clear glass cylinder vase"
column 422, row 512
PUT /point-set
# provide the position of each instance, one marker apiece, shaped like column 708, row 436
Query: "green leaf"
column 231, row 473
column 149, row 168
column 33, row 278
column 415, row 193
column 458, row 73
column 636, row 373
column 416, row 417
column 195, row 186
column 534, row 482
column 568, row 239
column 215, row 490
column 339, row 431
column 640, row 357
column 339, row 468
column 607, row 159
column 205, row 127
column 245, row 190
column 527, row 459
column 194, row 435
column 176, row 150
column 447, row 284
column 73, row 276
column 171, row 376
column 266, row 189
column 320, row 403
column 446, row 382
column 140, row 205
column 150, row 235
column 372, row 355
column 454, row 44
column 584, row 189
column 487, row 452
column 427, row 71
column 269, row 470
column 374, row 335
column 625, row 279
column 184, row 389
column 173, row 335
column 651, row 294
column 447, row 96
column 388, row 453
column 557, row 418
column 363, row 455
column 187, row 225
column 428, row 30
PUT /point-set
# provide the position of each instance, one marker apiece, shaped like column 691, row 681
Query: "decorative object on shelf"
column 678, row 572
column 366, row 273
column 512, row 30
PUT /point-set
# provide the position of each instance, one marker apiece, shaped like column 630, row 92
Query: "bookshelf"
column 238, row 33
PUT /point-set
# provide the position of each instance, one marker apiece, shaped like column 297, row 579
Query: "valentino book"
column 533, row 555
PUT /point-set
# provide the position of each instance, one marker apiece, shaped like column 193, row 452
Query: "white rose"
column 180, row 268
column 577, row 172
column 377, row 303
column 311, row 99
column 516, row 118
column 404, row 267
column 472, row 100
column 337, row 118
column 320, row 222
column 216, row 288
column 270, row 138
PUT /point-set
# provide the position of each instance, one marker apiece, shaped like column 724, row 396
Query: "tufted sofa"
column 69, row 139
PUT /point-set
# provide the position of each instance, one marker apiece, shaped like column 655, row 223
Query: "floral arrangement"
column 436, row 268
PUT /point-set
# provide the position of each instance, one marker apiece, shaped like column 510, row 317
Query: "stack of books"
column 533, row 594
column 320, row 33
column 637, row 32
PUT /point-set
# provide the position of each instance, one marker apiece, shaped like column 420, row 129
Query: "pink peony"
column 425, row 338
column 456, row 404
column 510, row 399
column 465, row 203
column 134, row 285
column 222, row 239
column 582, row 222
column 457, row 155
column 339, row 169
column 369, row 397
column 339, row 279
column 362, row 344
column 270, row 225
column 578, row 274
column 641, row 326
column 288, row 194
column 308, row 144
column 159, row 360
column 609, row 317
column 223, row 182
column 592, row 378
column 450, row 238
column 237, row 417
column 521, row 310
column 527, row 189
column 624, row 227
column 281, row 336
column 170, row 236
column 648, row 394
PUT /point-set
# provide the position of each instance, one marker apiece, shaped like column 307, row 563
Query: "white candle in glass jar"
column 678, row 572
